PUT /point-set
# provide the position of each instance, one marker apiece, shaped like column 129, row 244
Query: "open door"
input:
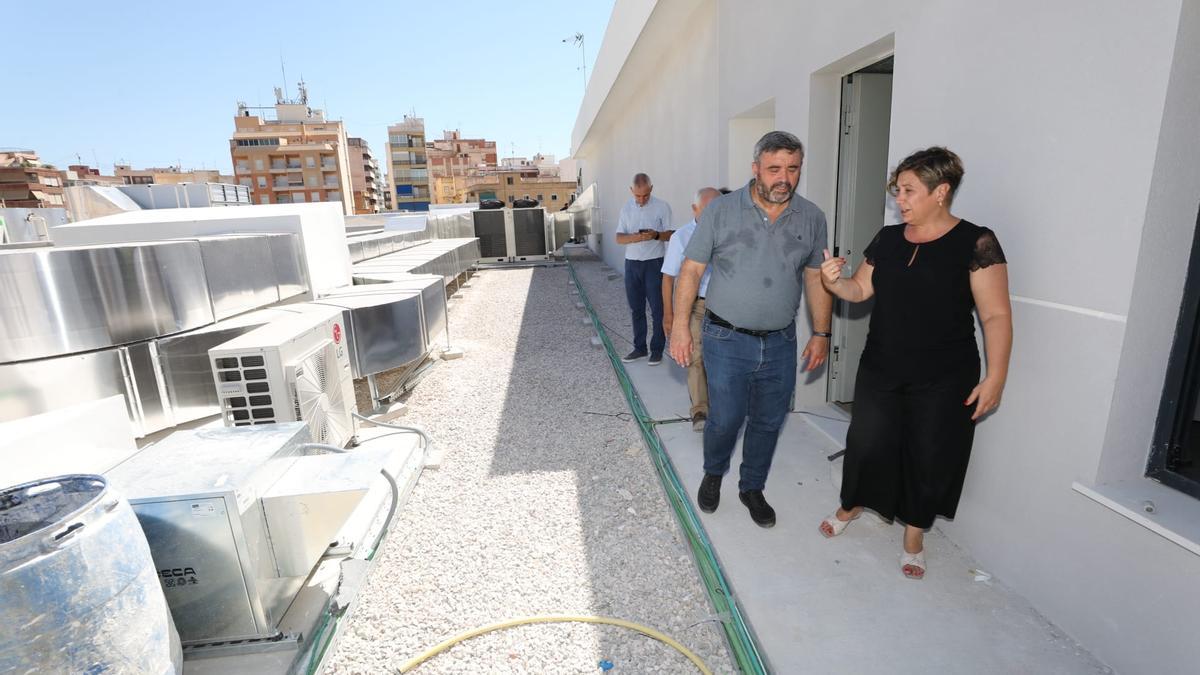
column 861, row 205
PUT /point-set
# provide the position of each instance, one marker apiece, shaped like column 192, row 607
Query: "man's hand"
column 681, row 344
column 668, row 320
column 816, row 351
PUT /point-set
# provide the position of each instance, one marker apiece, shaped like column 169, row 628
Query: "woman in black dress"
column 918, row 392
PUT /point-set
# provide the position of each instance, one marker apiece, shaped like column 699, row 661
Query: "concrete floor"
column 841, row 605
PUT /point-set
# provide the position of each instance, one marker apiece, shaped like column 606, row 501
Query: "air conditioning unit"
column 513, row 235
column 296, row 368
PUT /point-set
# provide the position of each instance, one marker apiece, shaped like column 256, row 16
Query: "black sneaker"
column 709, row 495
column 655, row 359
column 633, row 355
column 760, row 511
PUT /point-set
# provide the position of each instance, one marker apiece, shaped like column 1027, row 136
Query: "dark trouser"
column 909, row 444
column 750, row 379
column 643, row 283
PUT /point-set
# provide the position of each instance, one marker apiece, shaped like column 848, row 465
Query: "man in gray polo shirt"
column 764, row 244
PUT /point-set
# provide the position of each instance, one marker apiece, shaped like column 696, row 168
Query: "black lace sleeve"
column 872, row 249
column 987, row 251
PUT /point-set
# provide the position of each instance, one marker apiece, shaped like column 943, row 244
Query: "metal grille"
column 489, row 228
column 529, row 226
column 238, row 409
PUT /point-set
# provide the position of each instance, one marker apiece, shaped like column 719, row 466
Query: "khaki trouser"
column 696, row 378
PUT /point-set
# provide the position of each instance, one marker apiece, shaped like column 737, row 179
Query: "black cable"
column 824, row 417
column 623, row 416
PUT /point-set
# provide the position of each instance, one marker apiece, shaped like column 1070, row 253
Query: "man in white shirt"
column 697, row 380
column 644, row 224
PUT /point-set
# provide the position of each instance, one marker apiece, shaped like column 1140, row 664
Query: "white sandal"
column 913, row 560
column 836, row 525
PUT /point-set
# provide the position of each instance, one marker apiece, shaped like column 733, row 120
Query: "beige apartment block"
column 291, row 154
column 168, row 175
column 408, row 167
column 365, row 179
column 510, row 185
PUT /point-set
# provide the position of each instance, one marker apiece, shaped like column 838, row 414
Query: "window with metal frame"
column 1175, row 455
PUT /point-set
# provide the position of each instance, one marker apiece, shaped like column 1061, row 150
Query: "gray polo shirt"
column 757, row 267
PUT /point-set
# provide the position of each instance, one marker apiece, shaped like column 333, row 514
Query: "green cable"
column 741, row 642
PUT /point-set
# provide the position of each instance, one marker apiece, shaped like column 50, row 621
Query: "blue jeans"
column 750, row 379
column 643, row 283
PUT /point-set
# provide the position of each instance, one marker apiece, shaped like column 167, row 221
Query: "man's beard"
column 769, row 194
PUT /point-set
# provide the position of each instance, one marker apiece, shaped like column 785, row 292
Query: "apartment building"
column 408, row 165
column 509, row 185
column 82, row 174
column 365, row 181
column 454, row 162
column 25, row 182
column 168, row 175
column 289, row 154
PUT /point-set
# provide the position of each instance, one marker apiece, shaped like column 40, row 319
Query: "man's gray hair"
column 641, row 180
column 704, row 191
column 774, row 141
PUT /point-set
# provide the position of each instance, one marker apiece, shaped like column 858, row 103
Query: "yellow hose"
column 646, row 630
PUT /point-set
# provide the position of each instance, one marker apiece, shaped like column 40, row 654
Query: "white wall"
column 1057, row 110
column 661, row 120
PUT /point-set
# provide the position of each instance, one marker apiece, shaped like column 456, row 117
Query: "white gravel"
column 538, row 508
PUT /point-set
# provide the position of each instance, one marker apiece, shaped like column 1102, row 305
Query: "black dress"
column 911, row 432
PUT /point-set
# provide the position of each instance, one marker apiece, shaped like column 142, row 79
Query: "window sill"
column 1176, row 516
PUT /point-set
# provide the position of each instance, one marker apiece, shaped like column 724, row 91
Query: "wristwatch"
column 824, row 335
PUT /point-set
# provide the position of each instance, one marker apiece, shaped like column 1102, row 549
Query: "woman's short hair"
column 932, row 166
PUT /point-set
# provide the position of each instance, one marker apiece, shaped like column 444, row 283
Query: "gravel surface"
column 539, row 507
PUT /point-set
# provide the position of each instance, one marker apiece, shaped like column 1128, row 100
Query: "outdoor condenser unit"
column 294, row 369
column 237, row 518
column 512, row 235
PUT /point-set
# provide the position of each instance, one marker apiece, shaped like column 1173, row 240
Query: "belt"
column 745, row 331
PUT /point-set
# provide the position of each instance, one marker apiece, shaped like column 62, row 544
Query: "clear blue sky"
column 157, row 83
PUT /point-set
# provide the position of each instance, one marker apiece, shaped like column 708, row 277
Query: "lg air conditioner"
column 296, row 368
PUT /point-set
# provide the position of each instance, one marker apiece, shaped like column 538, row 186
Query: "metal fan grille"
column 318, row 397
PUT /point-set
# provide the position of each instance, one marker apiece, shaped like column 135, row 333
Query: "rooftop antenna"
column 303, row 91
column 577, row 40
column 284, row 71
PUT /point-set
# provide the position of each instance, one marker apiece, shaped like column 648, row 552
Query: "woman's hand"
column 831, row 271
column 985, row 396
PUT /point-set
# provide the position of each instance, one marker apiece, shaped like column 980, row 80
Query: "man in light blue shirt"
column 643, row 226
column 672, row 261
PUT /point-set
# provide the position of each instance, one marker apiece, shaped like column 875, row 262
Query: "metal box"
column 491, row 227
column 385, row 325
column 240, row 272
column 237, row 518
column 530, row 231
column 513, row 235
column 294, row 368
column 196, row 495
